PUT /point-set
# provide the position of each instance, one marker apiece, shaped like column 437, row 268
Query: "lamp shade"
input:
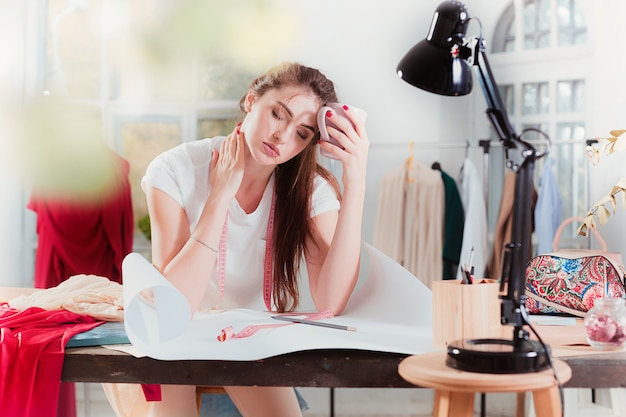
column 436, row 64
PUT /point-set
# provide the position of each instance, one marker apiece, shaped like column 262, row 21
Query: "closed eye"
column 276, row 115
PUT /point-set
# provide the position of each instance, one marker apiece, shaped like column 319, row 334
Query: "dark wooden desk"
column 320, row 368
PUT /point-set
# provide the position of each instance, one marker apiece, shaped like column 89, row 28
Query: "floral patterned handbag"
column 568, row 281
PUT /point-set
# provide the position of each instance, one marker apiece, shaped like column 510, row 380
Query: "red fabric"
column 32, row 344
column 151, row 392
column 84, row 238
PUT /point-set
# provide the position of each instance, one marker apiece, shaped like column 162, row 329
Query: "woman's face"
column 280, row 124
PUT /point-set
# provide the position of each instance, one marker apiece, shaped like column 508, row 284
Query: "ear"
column 250, row 99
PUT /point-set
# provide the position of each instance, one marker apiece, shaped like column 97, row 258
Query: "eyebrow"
column 290, row 113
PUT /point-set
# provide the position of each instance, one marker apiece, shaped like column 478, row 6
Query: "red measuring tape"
column 267, row 267
column 229, row 332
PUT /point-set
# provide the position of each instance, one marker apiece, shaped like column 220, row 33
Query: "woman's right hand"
column 227, row 165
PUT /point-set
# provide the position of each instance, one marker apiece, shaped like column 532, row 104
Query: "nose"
column 280, row 132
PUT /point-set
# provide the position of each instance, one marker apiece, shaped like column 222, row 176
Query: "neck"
column 253, row 184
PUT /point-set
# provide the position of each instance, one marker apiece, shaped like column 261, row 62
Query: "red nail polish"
column 329, row 114
column 238, row 131
column 239, row 124
column 319, row 141
column 345, row 107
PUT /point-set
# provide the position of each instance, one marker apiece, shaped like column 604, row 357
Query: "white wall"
column 609, row 109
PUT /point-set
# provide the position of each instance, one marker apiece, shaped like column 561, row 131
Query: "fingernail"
column 345, row 107
column 238, row 124
column 238, row 131
column 329, row 114
column 319, row 141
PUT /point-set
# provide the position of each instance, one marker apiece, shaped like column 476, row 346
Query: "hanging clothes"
column 84, row 238
column 504, row 225
column 454, row 221
column 409, row 220
column 475, row 230
column 548, row 209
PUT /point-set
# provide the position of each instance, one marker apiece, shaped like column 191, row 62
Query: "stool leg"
column 520, row 405
column 453, row 404
column 441, row 407
column 547, row 402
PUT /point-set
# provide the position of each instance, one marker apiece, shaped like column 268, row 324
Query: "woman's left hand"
column 353, row 138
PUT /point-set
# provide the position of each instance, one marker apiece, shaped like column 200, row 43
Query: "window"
column 537, row 24
column 570, row 96
column 106, row 57
column 543, row 93
column 572, row 28
column 536, row 99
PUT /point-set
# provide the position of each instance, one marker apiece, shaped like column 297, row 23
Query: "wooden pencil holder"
column 465, row 311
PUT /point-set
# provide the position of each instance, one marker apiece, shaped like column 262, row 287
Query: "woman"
column 225, row 212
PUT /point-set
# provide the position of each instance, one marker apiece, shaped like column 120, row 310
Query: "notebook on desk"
column 108, row 333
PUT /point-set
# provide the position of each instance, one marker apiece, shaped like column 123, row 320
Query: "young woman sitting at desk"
column 217, row 204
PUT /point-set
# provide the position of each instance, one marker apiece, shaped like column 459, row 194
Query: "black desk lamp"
column 442, row 64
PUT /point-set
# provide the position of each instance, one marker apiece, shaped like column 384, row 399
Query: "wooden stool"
column 455, row 389
column 202, row 389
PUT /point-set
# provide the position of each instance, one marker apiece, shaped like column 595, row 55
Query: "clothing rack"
column 485, row 144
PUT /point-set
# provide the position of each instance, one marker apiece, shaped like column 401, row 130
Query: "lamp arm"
column 520, row 157
column 496, row 111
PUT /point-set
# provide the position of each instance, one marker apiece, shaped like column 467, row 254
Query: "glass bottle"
column 605, row 324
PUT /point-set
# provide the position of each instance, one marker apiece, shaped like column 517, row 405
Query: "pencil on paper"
column 315, row 323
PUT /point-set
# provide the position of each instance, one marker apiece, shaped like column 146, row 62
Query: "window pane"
column 220, row 79
column 73, row 48
column 570, row 168
column 529, row 131
column 218, row 121
column 208, row 128
column 570, row 96
column 536, row 98
column 537, row 24
column 564, row 96
column 142, row 140
column 504, row 35
column 579, row 95
column 572, row 27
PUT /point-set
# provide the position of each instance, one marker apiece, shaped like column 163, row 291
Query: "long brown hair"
column 294, row 184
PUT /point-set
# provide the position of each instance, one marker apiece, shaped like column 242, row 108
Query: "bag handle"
column 556, row 306
column 557, row 234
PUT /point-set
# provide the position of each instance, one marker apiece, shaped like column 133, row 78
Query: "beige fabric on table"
column 409, row 224
column 89, row 295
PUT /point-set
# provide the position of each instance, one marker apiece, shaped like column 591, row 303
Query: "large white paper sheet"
column 392, row 311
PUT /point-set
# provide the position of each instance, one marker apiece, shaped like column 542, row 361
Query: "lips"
column 271, row 150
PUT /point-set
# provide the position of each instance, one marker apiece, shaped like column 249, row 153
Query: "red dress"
column 84, row 238
column 32, row 345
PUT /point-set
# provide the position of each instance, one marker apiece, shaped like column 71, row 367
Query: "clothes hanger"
column 410, row 166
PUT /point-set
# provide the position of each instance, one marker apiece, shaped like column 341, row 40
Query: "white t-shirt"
column 183, row 174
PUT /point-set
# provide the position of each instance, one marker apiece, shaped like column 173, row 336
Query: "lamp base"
column 497, row 356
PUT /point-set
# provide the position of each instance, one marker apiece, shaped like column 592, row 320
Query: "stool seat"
column 455, row 389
